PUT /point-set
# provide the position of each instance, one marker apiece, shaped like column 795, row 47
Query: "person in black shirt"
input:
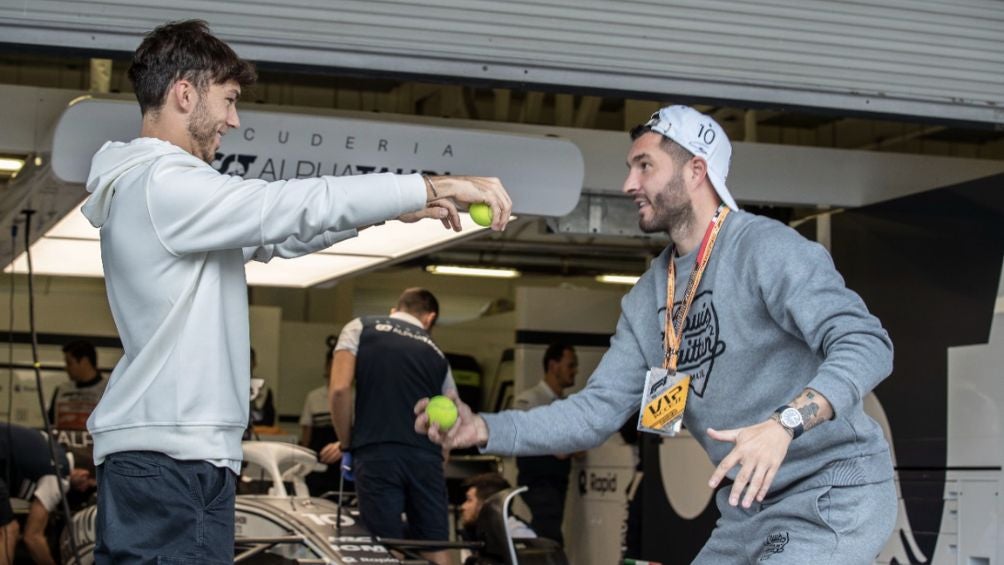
column 28, row 473
column 547, row 475
column 71, row 405
column 393, row 362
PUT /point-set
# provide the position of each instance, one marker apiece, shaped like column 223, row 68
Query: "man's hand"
column 437, row 210
column 347, row 472
column 759, row 451
column 446, row 195
column 330, row 453
column 469, row 429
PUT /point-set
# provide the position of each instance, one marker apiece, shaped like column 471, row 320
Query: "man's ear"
column 185, row 95
column 430, row 320
column 698, row 170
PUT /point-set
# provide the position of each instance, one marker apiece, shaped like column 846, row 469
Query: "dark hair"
column 676, row 152
column 183, row 50
column 418, row 301
column 80, row 349
column 555, row 352
column 331, row 341
column 487, row 484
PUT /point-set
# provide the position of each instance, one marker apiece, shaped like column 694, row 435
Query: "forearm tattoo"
column 810, row 410
column 810, row 415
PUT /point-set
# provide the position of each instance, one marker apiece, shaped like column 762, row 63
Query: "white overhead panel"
column 939, row 59
column 760, row 172
column 543, row 175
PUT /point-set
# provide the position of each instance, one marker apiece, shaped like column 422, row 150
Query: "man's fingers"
column 330, row 454
column 754, row 485
column 421, row 418
column 742, row 479
column 723, row 435
column 767, row 480
column 420, row 406
column 436, row 435
column 422, row 424
column 499, row 218
column 431, row 211
column 723, row 468
column 464, row 190
column 451, row 219
column 501, row 206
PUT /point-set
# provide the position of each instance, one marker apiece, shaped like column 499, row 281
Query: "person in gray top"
column 779, row 354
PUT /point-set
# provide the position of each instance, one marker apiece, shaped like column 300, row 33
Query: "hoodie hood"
column 113, row 160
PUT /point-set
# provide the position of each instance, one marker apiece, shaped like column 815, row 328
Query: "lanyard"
column 674, row 324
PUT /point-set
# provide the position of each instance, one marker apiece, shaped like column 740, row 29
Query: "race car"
column 277, row 527
column 283, row 528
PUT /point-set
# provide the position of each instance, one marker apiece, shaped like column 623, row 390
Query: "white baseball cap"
column 702, row 136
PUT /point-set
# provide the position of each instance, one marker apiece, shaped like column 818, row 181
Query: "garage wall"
column 932, row 58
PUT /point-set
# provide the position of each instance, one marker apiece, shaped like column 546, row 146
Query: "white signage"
column 543, row 174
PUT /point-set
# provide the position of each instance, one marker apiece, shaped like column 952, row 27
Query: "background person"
column 547, row 475
column 393, row 362
column 477, row 490
column 26, row 462
column 262, row 412
column 317, row 432
column 71, row 405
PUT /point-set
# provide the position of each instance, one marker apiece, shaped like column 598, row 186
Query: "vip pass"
column 664, row 397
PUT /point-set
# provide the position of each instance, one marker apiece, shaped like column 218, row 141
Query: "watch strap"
column 795, row 430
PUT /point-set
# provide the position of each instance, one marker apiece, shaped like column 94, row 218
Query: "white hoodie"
column 175, row 235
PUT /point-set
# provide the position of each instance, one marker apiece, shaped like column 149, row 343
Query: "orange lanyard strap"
column 674, row 323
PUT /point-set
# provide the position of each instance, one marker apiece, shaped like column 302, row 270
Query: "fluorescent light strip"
column 473, row 271
column 618, row 279
column 8, row 165
column 72, row 248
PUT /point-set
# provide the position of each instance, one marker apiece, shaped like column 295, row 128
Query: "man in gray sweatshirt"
column 779, row 354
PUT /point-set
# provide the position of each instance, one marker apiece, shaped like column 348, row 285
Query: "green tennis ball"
column 481, row 213
column 441, row 410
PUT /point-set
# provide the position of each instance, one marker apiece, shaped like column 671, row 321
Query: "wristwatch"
column 790, row 419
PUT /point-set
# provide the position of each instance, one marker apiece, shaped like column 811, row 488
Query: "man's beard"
column 203, row 131
column 670, row 208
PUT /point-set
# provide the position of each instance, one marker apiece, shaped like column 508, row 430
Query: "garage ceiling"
column 533, row 244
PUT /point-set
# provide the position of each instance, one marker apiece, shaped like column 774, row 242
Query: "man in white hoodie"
column 175, row 235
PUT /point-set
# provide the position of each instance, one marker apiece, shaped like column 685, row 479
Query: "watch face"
column 791, row 417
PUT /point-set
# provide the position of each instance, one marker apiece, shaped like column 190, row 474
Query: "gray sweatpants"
column 823, row 525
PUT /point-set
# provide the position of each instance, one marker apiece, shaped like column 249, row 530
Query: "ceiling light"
column 73, row 248
column 8, row 165
column 473, row 271
column 618, row 279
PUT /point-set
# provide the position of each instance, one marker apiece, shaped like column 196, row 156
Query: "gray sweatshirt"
column 771, row 317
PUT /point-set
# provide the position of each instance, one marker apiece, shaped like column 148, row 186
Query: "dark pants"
column 392, row 479
column 6, row 512
column 158, row 510
column 546, row 500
